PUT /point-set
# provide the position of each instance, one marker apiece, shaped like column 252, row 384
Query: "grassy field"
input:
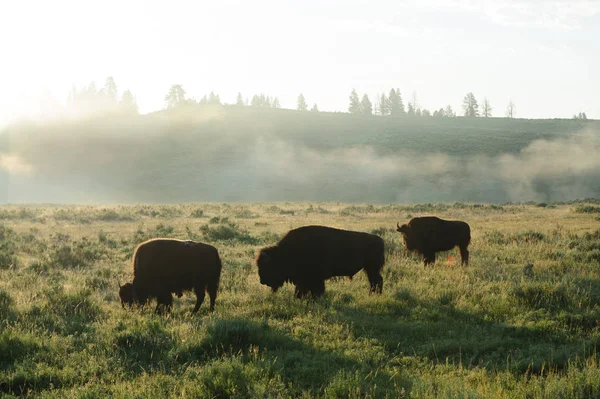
column 521, row 321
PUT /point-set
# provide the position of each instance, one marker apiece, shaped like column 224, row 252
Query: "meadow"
column 521, row 321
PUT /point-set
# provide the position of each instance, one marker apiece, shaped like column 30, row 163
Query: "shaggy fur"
column 309, row 255
column 428, row 235
column 164, row 266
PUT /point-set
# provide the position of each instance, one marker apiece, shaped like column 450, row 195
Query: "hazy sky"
column 544, row 55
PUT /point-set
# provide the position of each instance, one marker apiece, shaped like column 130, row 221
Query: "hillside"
column 259, row 154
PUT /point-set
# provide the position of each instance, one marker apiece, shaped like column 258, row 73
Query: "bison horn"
column 398, row 224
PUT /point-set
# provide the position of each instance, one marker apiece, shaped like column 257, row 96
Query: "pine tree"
column 510, row 110
column 239, row 100
column 276, row 103
column 315, row 108
column 384, row 105
column 175, row 97
column 302, row 106
column 411, row 110
column 449, row 111
column 110, row 91
column 487, row 108
column 354, row 107
column 396, row 107
column 366, row 105
column 425, row 112
column 214, row 99
column 128, row 103
column 470, row 106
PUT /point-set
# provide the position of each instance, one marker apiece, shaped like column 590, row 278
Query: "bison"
column 164, row 266
column 309, row 255
column 429, row 234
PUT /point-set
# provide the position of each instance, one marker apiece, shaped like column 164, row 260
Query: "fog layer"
column 169, row 159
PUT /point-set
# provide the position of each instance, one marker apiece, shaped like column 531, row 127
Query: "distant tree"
column 266, row 101
column 214, row 99
column 175, row 97
column 449, row 111
column 255, row 101
column 396, row 106
column 354, row 107
column 440, row 112
column 425, row 112
column 203, row 100
column 128, row 103
column 487, row 108
column 383, row 105
column 418, row 112
column 470, row 106
column 411, row 110
column 239, row 100
column 511, row 110
column 580, row 116
column 276, row 103
column 414, row 101
column 366, row 105
column 110, row 91
column 315, row 108
column 301, row 103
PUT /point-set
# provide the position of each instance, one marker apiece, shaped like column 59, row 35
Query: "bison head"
column 268, row 270
column 127, row 294
column 405, row 231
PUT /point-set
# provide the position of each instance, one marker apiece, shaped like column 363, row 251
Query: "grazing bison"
column 163, row 266
column 309, row 255
column 429, row 234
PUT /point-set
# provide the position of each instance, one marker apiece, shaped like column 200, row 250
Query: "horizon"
column 540, row 56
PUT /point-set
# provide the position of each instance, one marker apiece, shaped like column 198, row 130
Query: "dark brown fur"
column 163, row 266
column 429, row 234
column 309, row 255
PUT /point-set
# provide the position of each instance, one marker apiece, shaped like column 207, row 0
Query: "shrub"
column 197, row 213
column 228, row 232
column 587, row 209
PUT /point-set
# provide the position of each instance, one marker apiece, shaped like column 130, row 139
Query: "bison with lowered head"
column 429, row 234
column 163, row 266
column 309, row 255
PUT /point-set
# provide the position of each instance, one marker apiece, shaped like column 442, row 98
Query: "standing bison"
column 309, row 255
column 163, row 266
column 428, row 235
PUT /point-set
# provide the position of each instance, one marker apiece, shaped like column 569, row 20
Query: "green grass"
column 522, row 321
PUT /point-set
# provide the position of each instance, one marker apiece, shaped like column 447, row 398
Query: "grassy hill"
column 230, row 153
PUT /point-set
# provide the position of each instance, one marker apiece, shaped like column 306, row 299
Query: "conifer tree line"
column 107, row 98
column 90, row 99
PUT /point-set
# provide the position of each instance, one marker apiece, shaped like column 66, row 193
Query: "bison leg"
column 376, row 282
column 199, row 290
column 318, row 289
column 212, row 288
column 164, row 301
column 300, row 292
column 464, row 255
column 429, row 258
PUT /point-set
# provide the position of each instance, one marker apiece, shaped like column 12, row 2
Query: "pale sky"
column 544, row 55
